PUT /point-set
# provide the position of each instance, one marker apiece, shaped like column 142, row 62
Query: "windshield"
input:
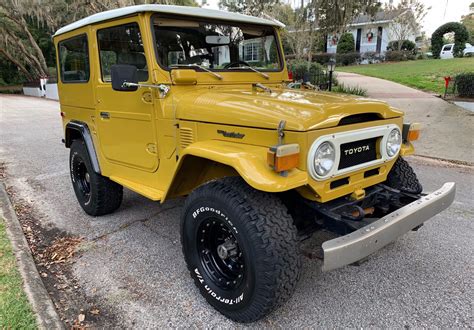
column 215, row 46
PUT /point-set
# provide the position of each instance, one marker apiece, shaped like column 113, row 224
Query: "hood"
column 302, row 110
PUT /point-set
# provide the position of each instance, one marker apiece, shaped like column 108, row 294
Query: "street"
column 130, row 262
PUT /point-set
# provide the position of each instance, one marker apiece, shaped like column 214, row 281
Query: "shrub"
column 399, row 55
column 348, row 58
column 406, row 45
column 465, row 84
column 461, row 36
column 371, row 57
column 356, row 90
column 323, row 58
column 346, row 44
column 307, row 71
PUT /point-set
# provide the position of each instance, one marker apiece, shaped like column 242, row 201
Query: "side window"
column 121, row 45
column 74, row 60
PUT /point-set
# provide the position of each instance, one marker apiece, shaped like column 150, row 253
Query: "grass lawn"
column 15, row 310
column 427, row 75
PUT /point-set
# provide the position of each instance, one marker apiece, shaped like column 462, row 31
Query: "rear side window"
column 74, row 60
column 122, row 45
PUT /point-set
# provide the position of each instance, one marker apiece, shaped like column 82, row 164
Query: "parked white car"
column 469, row 50
column 447, row 51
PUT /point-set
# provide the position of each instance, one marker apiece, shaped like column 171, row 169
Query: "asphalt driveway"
column 131, row 261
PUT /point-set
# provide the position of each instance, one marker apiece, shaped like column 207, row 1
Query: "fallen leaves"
column 61, row 250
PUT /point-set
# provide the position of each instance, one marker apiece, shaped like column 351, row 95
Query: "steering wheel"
column 236, row 64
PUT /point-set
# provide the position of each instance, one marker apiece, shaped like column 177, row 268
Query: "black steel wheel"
column 82, row 179
column 241, row 248
column 220, row 254
column 96, row 194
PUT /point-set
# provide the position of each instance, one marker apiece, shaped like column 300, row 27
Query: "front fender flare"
column 250, row 163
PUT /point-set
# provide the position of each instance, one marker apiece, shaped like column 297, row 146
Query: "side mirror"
column 121, row 73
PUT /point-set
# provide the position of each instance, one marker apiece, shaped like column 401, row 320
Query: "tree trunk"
column 17, row 63
column 33, row 60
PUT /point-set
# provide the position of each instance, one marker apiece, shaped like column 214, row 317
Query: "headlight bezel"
column 337, row 139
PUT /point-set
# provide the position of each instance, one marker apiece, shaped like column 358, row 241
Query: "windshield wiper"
column 218, row 76
column 263, row 74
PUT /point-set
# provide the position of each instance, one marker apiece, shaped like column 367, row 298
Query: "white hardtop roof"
column 167, row 9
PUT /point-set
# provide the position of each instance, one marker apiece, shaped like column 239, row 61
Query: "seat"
column 136, row 59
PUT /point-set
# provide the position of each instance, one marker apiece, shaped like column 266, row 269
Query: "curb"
column 41, row 302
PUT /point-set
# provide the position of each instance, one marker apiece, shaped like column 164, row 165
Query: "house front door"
column 359, row 35
column 379, row 39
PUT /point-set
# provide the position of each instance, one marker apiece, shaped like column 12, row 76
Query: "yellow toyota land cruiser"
column 177, row 101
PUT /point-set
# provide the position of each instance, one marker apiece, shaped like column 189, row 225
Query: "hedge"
column 465, row 84
column 406, row 45
column 399, row 55
column 461, row 36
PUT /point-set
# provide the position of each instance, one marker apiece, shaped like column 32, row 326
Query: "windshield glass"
column 215, row 46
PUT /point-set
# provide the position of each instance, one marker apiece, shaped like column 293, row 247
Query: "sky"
column 442, row 11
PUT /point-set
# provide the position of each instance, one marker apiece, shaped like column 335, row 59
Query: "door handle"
column 104, row 115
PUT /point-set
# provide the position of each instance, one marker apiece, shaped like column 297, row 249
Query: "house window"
column 252, row 52
column 74, row 60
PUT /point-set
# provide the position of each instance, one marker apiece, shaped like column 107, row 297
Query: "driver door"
column 125, row 118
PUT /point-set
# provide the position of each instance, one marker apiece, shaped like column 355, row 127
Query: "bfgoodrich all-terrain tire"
column 402, row 177
column 241, row 248
column 96, row 194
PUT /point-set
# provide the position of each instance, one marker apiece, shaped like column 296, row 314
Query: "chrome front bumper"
column 361, row 243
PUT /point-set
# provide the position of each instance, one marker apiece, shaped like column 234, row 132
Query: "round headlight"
column 394, row 142
column 324, row 158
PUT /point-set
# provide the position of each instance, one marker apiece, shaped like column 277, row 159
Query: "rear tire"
column 241, row 248
column 96, row 194
column 402, row 177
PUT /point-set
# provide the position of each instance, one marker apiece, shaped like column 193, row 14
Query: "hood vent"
column 359, row 118
column 186, row 137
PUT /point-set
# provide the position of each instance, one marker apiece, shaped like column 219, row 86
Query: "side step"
column 153, row 194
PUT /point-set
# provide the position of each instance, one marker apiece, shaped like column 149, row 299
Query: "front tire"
column 402, row 177
column 96, row 194
column 241, row 248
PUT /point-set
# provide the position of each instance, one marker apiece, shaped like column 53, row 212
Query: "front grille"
column 358, row 152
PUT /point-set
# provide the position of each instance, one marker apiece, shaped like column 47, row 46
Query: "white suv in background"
column 447, row 51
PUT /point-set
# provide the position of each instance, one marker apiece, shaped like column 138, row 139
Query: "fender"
column 249, row 161
column 80, row 129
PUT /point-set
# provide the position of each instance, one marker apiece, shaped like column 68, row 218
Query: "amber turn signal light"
column 283, row 157
column 414, row 132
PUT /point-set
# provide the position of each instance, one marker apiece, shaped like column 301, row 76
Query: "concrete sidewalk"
column 448, row 130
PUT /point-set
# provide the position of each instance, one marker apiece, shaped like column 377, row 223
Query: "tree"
column 468, row 22
column 25, row 27
column 346, row 44
column 333, row 16
column 407, row 22
column 300, row 35
column 249, row 7
column 460, row 38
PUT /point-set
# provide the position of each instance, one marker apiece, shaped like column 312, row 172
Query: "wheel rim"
column 220, row 255
column 82, row 178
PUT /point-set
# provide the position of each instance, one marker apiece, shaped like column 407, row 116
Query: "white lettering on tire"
column 203, row 209
column 213, row 294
